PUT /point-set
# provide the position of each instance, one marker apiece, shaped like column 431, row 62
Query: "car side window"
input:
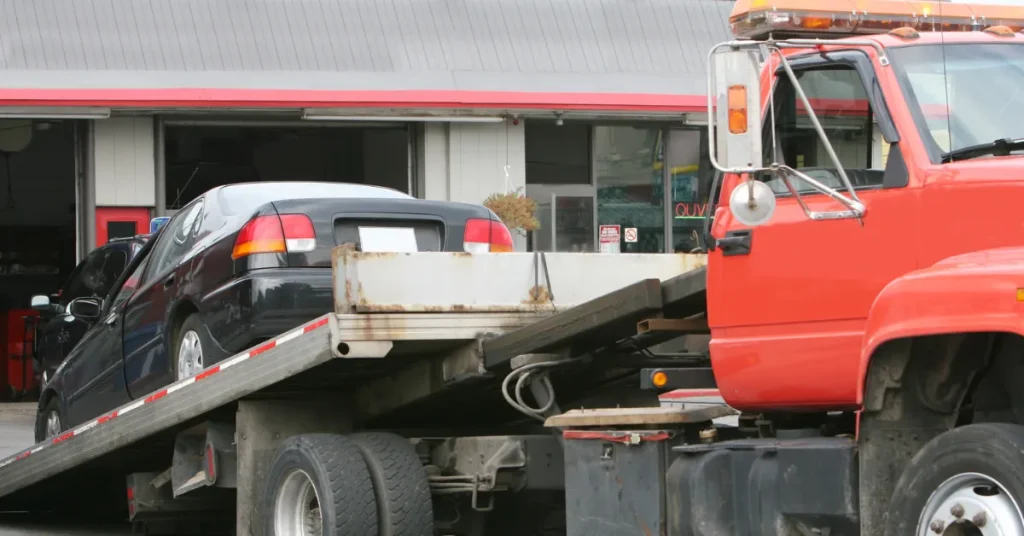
column 175, row 240
column 82, row 283
column 131, row 284
column 838, row 98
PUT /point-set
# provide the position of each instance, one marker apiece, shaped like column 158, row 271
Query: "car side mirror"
column 85, row 308
column 41, row 303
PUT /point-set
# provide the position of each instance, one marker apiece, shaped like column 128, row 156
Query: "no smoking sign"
column 630, row 234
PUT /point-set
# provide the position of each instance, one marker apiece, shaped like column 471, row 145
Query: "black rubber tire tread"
column 992, row 449
column 340, row 477
column 404, row 505
column 51, row 405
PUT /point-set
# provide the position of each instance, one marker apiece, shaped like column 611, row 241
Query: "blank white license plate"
column 387, row 239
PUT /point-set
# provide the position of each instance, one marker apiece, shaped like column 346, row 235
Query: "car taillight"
column 275, row 234
column 486, row 236
column 299, row 236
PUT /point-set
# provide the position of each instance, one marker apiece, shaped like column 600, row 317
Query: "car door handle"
column 735, row 243
column 169, row 281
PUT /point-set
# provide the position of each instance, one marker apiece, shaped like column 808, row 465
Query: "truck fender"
column 970, row 293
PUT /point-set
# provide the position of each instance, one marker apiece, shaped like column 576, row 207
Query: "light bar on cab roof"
column 757, row 19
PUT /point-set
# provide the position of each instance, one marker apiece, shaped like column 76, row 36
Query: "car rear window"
column 238, row 198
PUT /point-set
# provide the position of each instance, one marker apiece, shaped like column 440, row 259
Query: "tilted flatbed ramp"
column 342, row 341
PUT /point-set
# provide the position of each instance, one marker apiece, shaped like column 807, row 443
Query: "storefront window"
column 691, row 176
column 629, row 181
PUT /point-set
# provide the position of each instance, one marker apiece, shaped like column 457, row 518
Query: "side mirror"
column 85, row 308
column 734, row 105
column 41, row 303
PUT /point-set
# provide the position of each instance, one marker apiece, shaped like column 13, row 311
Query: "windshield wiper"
column 1001, row 147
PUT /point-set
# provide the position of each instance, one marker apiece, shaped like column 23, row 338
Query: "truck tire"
column 404, row 505
column 970, row 476
column 319, row 479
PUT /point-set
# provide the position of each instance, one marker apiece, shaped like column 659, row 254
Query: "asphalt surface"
column 16, row 427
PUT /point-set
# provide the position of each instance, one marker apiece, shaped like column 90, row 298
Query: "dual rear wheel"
column 364, row 484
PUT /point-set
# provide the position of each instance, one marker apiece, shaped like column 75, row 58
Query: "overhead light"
column 53, row 112
column 697, row 120
column 321, row 116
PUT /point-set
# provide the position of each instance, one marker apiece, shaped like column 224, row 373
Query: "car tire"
column 958, row 475
column 193, row 334
column 328, row 469
column 404, row 505
column 43, row 422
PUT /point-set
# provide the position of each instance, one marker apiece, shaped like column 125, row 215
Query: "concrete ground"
column 16, row 422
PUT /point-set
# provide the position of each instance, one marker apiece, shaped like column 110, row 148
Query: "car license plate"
column 387, row 239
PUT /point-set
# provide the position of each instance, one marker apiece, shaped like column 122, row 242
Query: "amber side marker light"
column 1020, row 294
column 659, row 379
column 737, row 109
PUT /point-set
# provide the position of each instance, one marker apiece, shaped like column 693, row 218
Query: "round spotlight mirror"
column 752, row 203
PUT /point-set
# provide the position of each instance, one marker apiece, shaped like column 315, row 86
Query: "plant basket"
column 515, row 210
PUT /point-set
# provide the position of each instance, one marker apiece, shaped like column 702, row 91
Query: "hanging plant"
column 515, row 210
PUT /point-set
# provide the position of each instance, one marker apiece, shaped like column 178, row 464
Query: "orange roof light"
column 758, row 19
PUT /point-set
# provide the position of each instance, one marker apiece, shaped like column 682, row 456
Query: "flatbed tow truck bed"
column 418, row 342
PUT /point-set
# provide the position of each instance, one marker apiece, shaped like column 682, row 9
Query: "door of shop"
column 567, row 216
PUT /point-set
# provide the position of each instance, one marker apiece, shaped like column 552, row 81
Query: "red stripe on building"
column 155, row 396
column 300, row 98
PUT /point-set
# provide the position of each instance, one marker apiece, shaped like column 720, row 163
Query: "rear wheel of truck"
column 404, row 505
column 318, row 485
column 965, row 482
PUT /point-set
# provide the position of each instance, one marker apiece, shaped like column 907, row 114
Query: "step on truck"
column 863, row 292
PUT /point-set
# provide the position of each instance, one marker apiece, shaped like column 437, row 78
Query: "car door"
column 790, row 304
column 93, row 380
column 147, row 365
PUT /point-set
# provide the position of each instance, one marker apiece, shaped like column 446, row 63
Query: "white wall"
column 125, row 161
column 466, row 162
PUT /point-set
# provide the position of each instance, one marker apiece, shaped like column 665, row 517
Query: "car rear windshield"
column 238, row 198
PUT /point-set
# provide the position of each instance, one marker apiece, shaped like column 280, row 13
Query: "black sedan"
column 237, row 266
column 58, row 332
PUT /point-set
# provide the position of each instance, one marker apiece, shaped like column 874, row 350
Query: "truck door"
column 788, row 308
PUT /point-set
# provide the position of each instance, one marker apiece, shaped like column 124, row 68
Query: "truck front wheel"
column 318, row 485
column 968, row 481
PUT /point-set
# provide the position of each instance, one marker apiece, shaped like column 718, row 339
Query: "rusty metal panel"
column 489, row 282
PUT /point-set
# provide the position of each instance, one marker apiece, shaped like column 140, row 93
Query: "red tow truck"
column 863, row 288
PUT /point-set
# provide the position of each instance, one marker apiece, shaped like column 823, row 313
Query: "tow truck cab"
column 865, row 258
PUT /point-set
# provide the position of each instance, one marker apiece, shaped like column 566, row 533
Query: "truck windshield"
column 963, row 95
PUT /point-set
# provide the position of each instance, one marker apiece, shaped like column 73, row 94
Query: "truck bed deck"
column 393, row 358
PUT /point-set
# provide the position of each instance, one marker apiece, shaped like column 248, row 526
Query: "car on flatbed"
column 233, row 268
column 58, row 332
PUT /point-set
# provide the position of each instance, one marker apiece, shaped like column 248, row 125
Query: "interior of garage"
column 202, row 156
column 38, row 233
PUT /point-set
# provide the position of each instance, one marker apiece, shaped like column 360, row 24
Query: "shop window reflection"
column 629, row 181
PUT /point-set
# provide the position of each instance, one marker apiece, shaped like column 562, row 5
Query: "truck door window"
column 837, row 95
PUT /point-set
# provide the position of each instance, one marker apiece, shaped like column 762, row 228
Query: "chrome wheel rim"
column 190, row 355
column 971, row 504
column 52, row 424
column 297, row 507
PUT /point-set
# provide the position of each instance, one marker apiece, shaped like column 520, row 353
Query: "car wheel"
column 192, row 348
column 966, row 481
column 49, row 423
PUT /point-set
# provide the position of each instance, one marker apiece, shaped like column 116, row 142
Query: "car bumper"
column 263, row 303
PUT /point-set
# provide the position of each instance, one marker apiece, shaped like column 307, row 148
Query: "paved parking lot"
column 16, row 427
